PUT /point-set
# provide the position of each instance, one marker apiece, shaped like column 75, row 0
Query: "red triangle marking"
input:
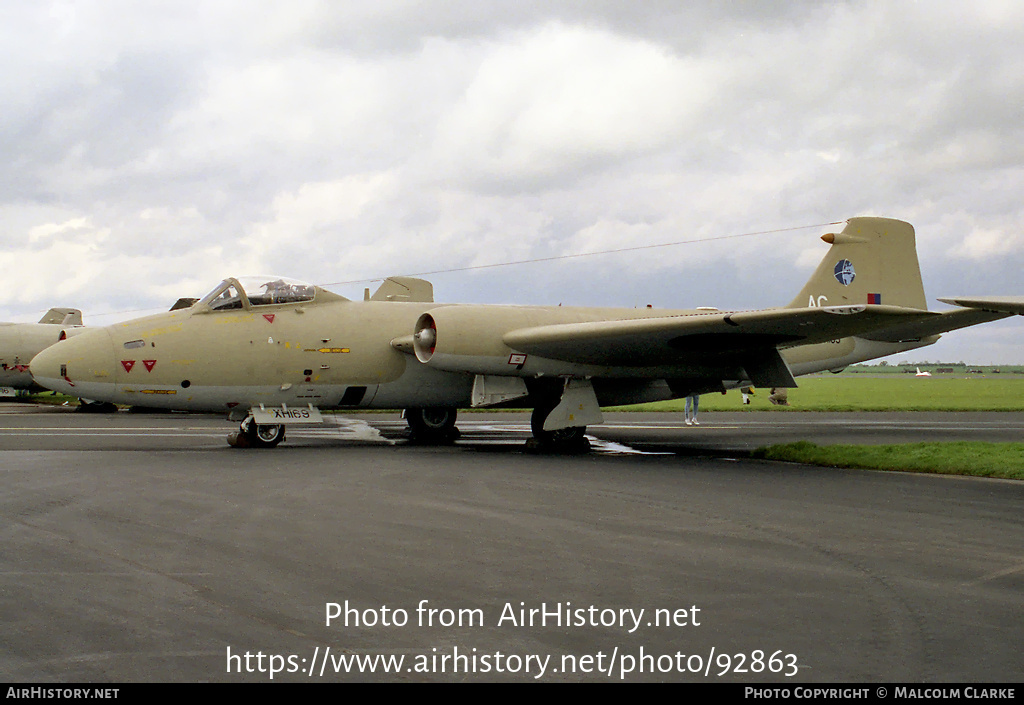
column 150, row 364
column 128, row 365
column 269, row 317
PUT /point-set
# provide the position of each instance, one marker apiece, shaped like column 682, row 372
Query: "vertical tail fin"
column 872, row 261
column 63, row 317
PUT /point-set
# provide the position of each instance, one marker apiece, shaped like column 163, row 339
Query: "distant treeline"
column 940, row 367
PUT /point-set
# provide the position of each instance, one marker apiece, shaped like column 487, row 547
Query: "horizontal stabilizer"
column 938, row 323
column 1004, row 304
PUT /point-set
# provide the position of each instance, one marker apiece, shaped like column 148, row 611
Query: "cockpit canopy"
column 245, row 292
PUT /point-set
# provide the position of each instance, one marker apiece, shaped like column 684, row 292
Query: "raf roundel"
column 844, row 272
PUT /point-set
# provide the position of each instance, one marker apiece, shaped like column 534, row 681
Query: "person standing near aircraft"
column 747, row 392
column 690, row 412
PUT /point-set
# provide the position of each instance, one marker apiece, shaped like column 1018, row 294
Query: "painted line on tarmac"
column 663, row 427
column 103, row 428
column 129, row 434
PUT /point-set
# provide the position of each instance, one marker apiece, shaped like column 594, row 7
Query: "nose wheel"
column 432, row 425
column 253, row 435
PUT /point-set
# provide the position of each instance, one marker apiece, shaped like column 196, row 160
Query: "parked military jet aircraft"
column 272, row 351
column 20, row 342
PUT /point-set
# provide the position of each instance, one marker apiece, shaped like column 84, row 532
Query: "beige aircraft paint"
column 1003, row 304
column 284, row 350
column 20, row 342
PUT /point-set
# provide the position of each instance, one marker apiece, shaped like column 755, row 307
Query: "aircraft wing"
column 1004, row 304
column 705, row 337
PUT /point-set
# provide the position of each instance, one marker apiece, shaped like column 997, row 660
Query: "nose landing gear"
column 253, row 435
column 432, row 425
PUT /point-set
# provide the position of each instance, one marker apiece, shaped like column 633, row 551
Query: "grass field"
column 1004, row 460
column 889, row 392
column 848, row 392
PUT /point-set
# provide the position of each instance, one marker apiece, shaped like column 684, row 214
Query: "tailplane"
column 872, row 261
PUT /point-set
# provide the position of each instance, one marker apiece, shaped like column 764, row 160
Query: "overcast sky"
column 150, row 149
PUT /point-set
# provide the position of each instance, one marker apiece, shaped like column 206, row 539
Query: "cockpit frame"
column 234, row 293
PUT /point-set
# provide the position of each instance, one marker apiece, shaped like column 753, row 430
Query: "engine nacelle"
column 469, row 339
column 424, row 339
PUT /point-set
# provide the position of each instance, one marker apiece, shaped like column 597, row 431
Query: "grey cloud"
column 197, row 139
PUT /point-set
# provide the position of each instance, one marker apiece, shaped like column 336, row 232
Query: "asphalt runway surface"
column 143, row 548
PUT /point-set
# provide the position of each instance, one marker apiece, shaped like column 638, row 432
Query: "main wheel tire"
column 263, row 435
column 433, row 424
column 96, row 407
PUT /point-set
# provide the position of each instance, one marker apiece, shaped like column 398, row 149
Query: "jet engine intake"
column 468, row 339
column 424, row 339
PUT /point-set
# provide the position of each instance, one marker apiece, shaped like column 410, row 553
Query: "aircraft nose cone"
column 44, row 366
column 75, row 366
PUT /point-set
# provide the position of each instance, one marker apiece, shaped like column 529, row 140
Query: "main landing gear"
column 432, row 425
column 564, row 440
column 86, row 406
column 253, row 435
column 562, row 409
